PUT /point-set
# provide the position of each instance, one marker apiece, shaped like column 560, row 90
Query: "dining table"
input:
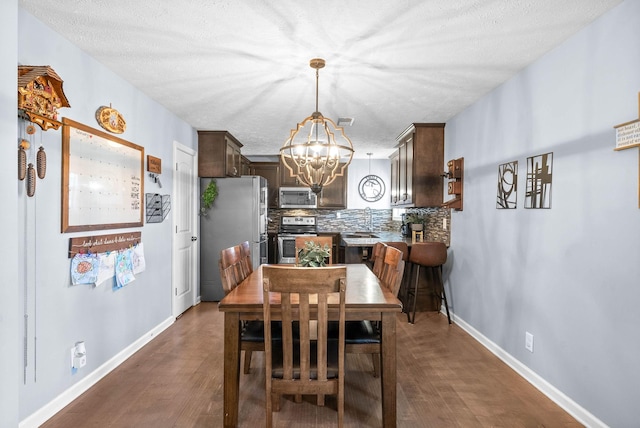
column 366, row 299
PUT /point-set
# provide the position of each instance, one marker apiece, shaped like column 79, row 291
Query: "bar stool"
column 417, row 236
column 430, row 255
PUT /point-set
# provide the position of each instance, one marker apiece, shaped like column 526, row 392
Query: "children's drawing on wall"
column 539, row 175
column 507, row 185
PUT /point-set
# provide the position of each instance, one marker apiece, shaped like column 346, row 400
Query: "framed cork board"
column 102, row 180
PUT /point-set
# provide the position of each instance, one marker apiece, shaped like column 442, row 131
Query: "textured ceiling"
column 243, row 66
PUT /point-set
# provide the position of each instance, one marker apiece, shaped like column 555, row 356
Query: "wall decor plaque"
column 111, row 119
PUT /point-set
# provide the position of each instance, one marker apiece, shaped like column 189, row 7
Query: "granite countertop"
column 349, row 239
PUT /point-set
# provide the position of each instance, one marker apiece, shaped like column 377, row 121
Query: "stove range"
column 290, row 227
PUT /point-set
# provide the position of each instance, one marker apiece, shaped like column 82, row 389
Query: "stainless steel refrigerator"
column 238, row 214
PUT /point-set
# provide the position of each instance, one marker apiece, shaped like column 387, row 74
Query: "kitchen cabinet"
column 219, row 154
column 272, row 247
column 334, row 196
column 245, row 166
column 286, row 180
column 417, row 166
column 270, row 171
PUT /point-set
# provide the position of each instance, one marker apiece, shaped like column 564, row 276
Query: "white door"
column 185, row 245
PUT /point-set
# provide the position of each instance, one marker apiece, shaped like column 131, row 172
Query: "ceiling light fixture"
column 317, row 150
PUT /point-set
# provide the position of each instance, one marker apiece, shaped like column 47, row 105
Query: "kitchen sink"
column 360, row 235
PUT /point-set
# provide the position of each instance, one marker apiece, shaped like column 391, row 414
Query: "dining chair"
column 232, row 273
column 377, row 258
column 364, row 337
column 320, row 240
column 404, row 286
column 231, row 270
column 247, row 263
column 303, row 362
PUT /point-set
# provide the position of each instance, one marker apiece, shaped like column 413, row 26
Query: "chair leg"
column 444, row 293
column 376, row 364
column 415, row 295
column 247, row 361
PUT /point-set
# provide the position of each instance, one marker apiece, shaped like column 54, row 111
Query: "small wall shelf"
column 455, row 186
column 157, row 207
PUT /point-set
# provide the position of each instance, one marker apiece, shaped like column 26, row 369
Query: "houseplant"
column 208, row 196
column 313, row 255
column 415, row 220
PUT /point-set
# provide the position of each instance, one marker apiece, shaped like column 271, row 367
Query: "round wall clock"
column 371, row 188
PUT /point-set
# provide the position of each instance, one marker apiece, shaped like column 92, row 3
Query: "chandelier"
column 317, row 150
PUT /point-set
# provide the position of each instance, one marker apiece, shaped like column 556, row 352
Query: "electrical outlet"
column 444, row 224
column 528, row 341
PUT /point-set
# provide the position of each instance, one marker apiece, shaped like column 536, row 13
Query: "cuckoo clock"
column 40, row 95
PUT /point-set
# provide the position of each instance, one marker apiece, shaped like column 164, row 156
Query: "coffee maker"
column 405, row 229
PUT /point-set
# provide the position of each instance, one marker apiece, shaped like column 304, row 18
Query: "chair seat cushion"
column 356, row 332
column 277, row 371
column 253, row 331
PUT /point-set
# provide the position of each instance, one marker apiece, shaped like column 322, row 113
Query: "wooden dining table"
column 366, row 299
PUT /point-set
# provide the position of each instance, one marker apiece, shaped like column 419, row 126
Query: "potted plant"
column 313, row 255
column 416, row 220
column 208, row 196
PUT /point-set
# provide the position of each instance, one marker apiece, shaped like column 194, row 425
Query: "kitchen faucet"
column 369, row 219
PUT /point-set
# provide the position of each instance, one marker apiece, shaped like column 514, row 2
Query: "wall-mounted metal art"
column 539, row 175
column 507, row 185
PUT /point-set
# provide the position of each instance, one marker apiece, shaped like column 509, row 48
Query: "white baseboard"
column 43, row 414
column 557, row 396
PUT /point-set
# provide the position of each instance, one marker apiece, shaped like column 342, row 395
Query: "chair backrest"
column 247, row 263
column 303, row 294
column 320, row 240
column 378, row 258
column 231, row 269
column 393, row 270
column 402, row 246
column 431, row 254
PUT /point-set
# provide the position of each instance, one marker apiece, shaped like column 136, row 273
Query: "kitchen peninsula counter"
column 349, row 241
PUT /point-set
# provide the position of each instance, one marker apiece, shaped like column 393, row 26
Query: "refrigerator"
column 238, row 214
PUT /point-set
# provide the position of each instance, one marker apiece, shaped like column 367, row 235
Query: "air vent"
column 345, row 121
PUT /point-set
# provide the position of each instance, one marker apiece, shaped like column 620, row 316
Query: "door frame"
column 194, row 218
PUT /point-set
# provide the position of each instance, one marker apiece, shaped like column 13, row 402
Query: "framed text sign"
column 102, row 181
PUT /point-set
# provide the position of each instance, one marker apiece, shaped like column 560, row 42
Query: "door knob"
column 194, row 238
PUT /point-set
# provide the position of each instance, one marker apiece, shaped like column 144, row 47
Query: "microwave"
column 297, row 197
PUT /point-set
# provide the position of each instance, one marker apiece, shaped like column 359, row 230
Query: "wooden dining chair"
column 231, row 269
column 232, row 273
column 364, row 337
column 247, row 263
column 404, row 286
column 299, row 363
column 302, row 240
column 377, row 258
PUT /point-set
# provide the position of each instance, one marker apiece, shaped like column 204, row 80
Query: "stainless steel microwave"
column 297, row 197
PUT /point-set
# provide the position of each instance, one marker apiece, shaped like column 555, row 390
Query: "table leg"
column 388, row 368
column 231, row 368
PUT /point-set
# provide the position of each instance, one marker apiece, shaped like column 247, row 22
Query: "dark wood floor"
column 445, row 379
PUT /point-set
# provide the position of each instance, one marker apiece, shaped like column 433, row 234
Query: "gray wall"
column 570, row 274
column 108, row 320
column 10, row 320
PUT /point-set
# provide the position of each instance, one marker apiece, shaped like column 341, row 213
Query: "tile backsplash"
column 365, row 220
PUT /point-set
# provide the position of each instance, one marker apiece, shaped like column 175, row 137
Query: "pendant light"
column 317, row 150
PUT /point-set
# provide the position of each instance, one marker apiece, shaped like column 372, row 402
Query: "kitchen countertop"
column 370, row 242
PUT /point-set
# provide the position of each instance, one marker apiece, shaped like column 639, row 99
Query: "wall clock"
column 371, row 188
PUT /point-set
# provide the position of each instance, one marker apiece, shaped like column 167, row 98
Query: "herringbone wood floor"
column 445, row 379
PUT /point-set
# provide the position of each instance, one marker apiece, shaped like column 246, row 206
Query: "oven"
column 290, row 228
